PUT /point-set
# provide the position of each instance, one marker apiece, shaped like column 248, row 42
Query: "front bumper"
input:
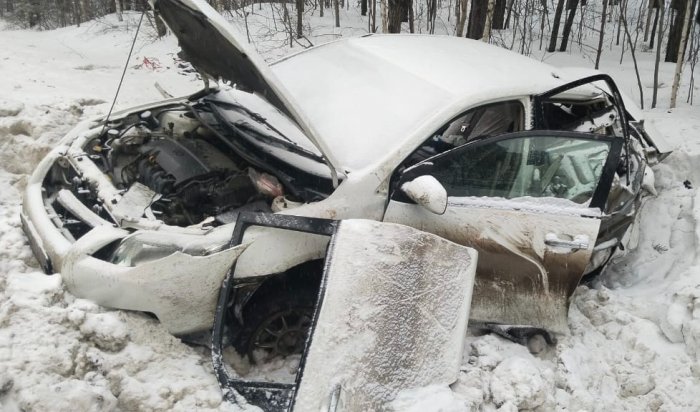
column 174, row 288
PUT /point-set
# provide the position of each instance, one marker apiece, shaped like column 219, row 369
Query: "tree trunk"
column 555, row 26
column 385, row 16
column 489, row 20
column 674, row 31
column 477, row 19
column 432, row 15
column 567, row 25
column 118, row 8
column 681, row 52
column 396, row 11
column 543, row 17
column 658, row 54
column 623, row 10
column 336, row 9
column 634, row 59
column 300, row 18
column 510, row 12
column 653, row 29
column 602, row 35
column 646, row 26
column 363, row 7
column 374, row 16
column 411, row 27
column 462, row 18
column 499, row 15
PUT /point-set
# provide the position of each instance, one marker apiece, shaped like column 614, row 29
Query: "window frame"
column 516, row 100
column 602, row 189
column 538, row 101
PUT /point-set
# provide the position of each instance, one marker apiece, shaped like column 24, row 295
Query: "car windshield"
column 255, row 127
column 260, row 123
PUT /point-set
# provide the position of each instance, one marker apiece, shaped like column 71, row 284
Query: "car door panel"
column 520, row 279
column 529, row 203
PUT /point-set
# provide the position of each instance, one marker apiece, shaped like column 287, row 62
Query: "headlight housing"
column 140, row 248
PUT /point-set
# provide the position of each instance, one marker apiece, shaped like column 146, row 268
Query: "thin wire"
column 126, row 66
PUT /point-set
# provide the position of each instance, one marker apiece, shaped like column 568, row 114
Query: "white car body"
column 366, row 103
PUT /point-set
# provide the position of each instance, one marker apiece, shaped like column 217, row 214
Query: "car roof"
column 366, row 95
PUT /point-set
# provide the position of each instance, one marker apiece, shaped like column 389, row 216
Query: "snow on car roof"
column 367, row 95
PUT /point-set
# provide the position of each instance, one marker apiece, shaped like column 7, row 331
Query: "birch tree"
column 489, row 21
column 462, row 18
column 118, row 8
column 681, row 50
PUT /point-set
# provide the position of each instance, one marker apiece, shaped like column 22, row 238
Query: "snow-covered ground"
column 635, row 333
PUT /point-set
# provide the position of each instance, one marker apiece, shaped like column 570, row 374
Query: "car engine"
column 193, row 177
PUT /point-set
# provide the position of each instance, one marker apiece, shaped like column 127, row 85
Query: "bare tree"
column 681, row 51
column 656, row 23
column 662, row 5
column 602, row 35
column 693, row 58
column 462, row 17
column 621, row 12
column 510, row 12
column 374, row 16
column 573, row 4
column 432, row 15
column 385, row 16
column 646, row 26
column 679, row 8
column 336, row 10
column 499, row 15
column 118, row 7
column 543, row 18
column 555, row 26
column 489, row 20
column 300, row 18
column 396, row 11
column 634, row 57
column 477, row 19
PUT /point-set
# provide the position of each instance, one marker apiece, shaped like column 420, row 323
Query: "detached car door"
column 530, row 203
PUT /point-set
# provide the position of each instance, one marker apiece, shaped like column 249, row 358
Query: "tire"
column 276, row 323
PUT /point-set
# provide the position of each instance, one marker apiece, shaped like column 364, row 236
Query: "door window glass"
column 490, row 120
column 536, row 166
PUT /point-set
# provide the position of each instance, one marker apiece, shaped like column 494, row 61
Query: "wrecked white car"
column 380, row 284
column 538, row 169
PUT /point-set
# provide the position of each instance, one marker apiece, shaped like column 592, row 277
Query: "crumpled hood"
column 215, row 48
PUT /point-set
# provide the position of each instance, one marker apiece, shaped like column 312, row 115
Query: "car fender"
column 179, row 289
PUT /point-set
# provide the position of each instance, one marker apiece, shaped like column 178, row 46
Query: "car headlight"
column 142, row 247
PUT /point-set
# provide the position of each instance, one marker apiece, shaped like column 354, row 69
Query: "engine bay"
column 185, row 165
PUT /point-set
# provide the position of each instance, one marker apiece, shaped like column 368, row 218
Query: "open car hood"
column 217, row 50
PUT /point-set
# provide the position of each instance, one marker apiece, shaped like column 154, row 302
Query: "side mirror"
column 428, row 192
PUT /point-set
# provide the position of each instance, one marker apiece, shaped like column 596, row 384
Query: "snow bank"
column 635, row 334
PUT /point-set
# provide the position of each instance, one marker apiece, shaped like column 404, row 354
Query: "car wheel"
column 276, row 326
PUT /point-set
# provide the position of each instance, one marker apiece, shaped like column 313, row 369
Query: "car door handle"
column 334, row 398
column 578, row 242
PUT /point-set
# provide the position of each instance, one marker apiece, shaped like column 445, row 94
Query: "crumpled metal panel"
column 393, row 317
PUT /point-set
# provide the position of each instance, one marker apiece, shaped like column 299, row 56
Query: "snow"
column 362, row 342
column 428, row 192
column 367, row 77
column 635, row 334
